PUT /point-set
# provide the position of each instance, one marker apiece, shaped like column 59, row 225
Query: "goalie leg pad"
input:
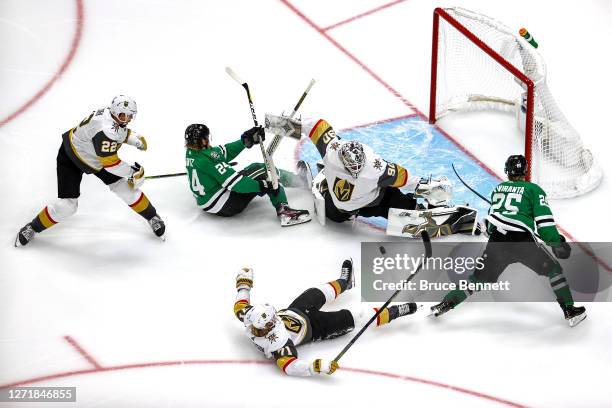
column 437, row 221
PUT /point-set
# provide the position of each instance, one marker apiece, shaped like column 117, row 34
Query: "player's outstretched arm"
column 289, row 363
column 136, row 140
column 244, row 284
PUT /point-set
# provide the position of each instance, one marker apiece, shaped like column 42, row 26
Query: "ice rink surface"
column 99, row 303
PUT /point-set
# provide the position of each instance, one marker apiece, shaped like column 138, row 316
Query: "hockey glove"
column 137, row 178
column 563, row 250
column 141, row 143
column 266, row 187
column 253, row 136
column 244, row 279
column 320, row 366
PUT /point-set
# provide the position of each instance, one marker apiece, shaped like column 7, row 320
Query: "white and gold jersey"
column 347, row 192
column 94, row 143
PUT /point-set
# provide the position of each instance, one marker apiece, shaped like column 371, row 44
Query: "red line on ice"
column 76, row 40
column 418, row 112
column 258, row 362
column 82, row 352
column 367, row 13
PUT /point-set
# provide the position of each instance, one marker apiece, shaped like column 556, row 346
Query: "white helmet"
column 123, row 104
column 352, row 156
column 262, row 318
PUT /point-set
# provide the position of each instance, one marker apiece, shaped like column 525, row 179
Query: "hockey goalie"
column 355, row 181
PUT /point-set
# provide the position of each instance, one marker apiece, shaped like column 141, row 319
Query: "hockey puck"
column 382, row 249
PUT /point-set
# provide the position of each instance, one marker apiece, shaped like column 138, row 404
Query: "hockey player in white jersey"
column 357, row 181
column 91, row 148
column 278, row 333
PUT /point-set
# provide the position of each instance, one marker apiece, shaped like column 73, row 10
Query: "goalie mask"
column 352, row 157
column 516, row 166
column 262, row 318
column 123, row 108
column 197, row 136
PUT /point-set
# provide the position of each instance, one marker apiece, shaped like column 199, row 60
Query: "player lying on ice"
column 355, row 181
column 91, row 148
column 221, row 190
column 278, row 333
column 520, row 214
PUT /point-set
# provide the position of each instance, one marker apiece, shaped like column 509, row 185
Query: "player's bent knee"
column 63, row 208
column 125, row 192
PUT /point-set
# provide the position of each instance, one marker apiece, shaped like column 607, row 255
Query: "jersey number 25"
column 506, row 200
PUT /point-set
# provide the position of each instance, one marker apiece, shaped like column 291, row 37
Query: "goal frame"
column 529, row 84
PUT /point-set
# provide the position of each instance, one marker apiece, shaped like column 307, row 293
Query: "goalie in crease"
column 278, row 333
column 223, row 191
column 520, row 212
column 356, row 181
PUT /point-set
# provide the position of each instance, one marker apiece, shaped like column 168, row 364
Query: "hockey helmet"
column 197, row 136
column 123, row 108
column 352, row 157
column 262, row 318
column 516, row 166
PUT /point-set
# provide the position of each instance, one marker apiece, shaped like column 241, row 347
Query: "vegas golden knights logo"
column 430, row 225
column 343, row 189
column 292, row 324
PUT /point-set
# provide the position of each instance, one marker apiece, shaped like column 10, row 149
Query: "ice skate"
column 405, row 309
column 289, row 216
column 573, row 314
column 347, row 273
column 25, row 235
column 441, row 308
column 158, row 226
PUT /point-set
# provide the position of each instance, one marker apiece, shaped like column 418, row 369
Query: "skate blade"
column 291, row 222
column 574, row 321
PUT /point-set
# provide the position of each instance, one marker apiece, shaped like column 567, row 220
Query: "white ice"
column 154, row 317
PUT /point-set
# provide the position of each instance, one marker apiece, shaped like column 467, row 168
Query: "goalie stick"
column 428, row 251
column 468, row 186
column 268, row 163
column 276, row 141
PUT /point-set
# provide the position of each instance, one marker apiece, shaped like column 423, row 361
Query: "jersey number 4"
column 506, row 199
column 195, row 183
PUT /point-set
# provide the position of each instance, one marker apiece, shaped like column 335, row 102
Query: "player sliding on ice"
column 221, row 190
column 91, row 148
column 519, row 213
column 355, row 181
column 278, row 333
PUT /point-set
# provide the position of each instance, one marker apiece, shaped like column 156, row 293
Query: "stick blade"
column 234, row 76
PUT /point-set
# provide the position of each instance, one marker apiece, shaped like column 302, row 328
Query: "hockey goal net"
column 479, row 63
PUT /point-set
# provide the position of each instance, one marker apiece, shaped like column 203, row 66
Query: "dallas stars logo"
column 272, row 337
column 377, row 164
column 214, row 155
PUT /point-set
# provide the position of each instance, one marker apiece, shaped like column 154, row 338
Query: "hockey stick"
column 276, row 141
column 176, row 174
column 468, row 186
column 268, row 163
column 428, row 251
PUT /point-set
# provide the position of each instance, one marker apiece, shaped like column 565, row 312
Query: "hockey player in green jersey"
column 219, row 189
column 519, row 213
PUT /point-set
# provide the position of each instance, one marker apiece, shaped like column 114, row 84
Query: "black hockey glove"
column 563, row 250
column 253, row 136
column 266, row 187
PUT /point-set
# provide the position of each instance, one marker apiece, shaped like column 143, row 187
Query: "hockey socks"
column 43, row 221
column 143, row 207
column 559, row 285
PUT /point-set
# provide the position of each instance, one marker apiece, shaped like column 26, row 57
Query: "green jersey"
column 522, row 206
column 211, row 178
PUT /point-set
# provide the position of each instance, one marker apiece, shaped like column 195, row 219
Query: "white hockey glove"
column 137, row 141
column 436, row 191
column 137, row 178
column 320, row 366
column 283, row 126
column 244, row 279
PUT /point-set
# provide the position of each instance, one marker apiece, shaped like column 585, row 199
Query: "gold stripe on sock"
column 336, row 286
column 141, row 204
column 45, row 218
column 382, row 318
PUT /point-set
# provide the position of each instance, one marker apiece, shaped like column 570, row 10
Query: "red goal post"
column 479, row 63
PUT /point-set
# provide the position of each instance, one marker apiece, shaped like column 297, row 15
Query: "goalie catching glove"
column 244, row 279
column 320, row 366
column 436, row 191
column 137, row 178
column 563, row 250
